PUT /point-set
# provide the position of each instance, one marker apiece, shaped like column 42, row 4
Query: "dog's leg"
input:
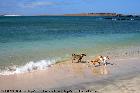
column 94, row 63
column 78, row 61
column 105, row 63
column 73, row 59
column 99, row 63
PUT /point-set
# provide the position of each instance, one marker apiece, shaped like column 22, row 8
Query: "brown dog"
column 98, row 59
column 78, row 57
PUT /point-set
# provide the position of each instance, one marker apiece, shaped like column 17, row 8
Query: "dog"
column 98, row 59
column 78, row 57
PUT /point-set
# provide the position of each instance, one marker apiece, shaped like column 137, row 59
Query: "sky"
column 39, row 7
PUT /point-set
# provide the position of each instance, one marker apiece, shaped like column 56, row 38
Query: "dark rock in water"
column 123, row 19
column 108, row 18
column 129, row 15
column 136, row 16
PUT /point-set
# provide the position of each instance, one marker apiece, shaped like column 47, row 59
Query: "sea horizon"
column 78, row 14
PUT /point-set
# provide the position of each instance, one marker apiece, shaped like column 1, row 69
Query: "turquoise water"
column 26, row 39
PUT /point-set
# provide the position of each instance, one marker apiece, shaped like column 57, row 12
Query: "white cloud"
column 38, row 4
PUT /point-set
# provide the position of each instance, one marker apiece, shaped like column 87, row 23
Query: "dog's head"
column 73, row 54
column 100, row 56
column 107, row 57
column 92, row 62
column 83, row 54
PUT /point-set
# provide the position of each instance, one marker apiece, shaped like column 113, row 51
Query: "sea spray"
column 29, row 67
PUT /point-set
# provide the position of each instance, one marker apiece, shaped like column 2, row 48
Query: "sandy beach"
column 120, row 76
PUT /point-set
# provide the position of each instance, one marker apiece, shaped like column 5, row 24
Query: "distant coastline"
column 93, row 14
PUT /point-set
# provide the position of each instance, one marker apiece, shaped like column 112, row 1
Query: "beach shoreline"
column 83, row 76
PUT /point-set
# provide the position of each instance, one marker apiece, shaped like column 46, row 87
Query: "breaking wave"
column 29, row 67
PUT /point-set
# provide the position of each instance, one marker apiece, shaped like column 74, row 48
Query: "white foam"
column 30, row 66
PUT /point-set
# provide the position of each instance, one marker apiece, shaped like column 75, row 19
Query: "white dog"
column 105, row 59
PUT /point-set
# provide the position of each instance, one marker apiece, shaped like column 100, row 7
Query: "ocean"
column 35, row 42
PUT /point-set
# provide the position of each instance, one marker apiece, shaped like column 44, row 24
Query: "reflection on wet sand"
column 79, row 69
column 83, row 69
column 101, row 70
column 86, row 69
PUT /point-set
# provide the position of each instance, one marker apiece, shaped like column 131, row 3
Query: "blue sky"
column 35, row 7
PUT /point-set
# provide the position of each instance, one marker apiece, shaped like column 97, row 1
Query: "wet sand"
column 120, row 76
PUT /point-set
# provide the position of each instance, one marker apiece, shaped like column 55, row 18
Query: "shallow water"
column 26, row 39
